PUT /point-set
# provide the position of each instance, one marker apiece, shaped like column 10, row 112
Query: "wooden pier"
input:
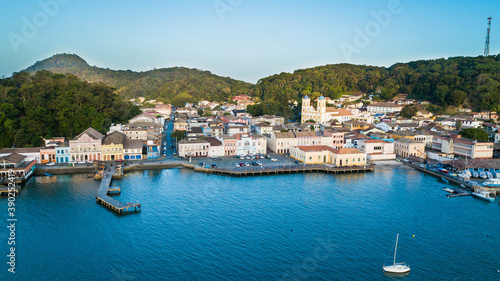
column 459, row 194
column 257, row 171
column 4, row 190
column 104, row 199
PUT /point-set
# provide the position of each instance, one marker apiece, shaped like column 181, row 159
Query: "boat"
column 48, row 175
column 396, row 267
column 449, row 190
column 483, row 175
column 484, row 195
column 492, row 182
column 444, row 179
column 489, row 175
column 443, row 170
column 475, row 174
column 497, row 175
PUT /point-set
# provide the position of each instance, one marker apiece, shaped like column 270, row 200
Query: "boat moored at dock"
column 484, row 195
column 492, row 182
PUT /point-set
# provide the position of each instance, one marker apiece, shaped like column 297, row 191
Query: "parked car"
column 298, row 162
column 119, row 161
column 242, row 157
column 51, row 164
column 80, row 162
column 255, row 164
column 259, row 163
column 214, row 165
column 274, row 159
column 201, row 164
column 248, row 157
column 247, row 164
column 242, row 164
column 237, row 164
column 268, row 156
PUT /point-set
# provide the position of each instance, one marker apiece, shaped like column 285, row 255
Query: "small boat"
column 48, row 175
column 492, row 182
column 462, row 185
column 475, row 175
column 484, row 195
column 443, row 170
column 489, row 175
column 445, row 180
column 396, row 267
column 483, row 175
column 449, row 190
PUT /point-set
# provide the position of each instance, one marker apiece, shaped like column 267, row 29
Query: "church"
column 323, row 114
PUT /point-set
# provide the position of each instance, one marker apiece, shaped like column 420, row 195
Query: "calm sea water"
column 288, row 227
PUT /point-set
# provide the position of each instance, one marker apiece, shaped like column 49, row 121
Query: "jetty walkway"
column 256, row 170
column 107, row 173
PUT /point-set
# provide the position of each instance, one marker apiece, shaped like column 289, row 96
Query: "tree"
column 409, row 111
column 475, row 134
column 178, row 134
column 310, row 121
column 181, row 99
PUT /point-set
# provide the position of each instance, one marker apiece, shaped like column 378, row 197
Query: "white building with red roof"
column 377, row 150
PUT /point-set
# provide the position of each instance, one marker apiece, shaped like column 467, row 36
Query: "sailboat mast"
column 396, row 249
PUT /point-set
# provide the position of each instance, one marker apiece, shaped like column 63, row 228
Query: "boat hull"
column 489, row 199
column 398, row 268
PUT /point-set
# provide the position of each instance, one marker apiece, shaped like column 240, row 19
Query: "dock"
column 256, row 171
column 459, row 194
column 107, row 201
column 4, row 190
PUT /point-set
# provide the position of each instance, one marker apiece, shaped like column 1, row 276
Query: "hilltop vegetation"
column 161, row 84
column 472, row 82
column 56, row 105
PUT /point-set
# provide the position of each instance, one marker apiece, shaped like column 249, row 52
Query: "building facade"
column 86, row 146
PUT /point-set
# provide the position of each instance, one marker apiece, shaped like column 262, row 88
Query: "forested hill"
column 162, row 84
column 460, row 81
column 56, row 105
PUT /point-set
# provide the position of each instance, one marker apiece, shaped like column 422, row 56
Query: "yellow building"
column 322, row 154
column 112, row 147
column 406, row 147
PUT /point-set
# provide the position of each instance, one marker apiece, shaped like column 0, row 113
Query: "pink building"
column 86, row 146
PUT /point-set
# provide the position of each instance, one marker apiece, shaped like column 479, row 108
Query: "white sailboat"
column 396, row 267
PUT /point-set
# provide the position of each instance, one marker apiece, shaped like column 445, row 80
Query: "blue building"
column 62, row 153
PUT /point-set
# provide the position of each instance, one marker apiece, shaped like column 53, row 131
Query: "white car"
column 80, row 162
column 242, row 157
column 51, row 164
column 422, row 165
column 89, row 162
column 247, row 164
column 274, row 159
column 237, row 164
column 259, row 163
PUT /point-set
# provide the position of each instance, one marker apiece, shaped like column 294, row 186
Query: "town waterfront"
column 196, row 226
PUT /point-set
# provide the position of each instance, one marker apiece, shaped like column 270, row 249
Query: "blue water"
column 196, row 226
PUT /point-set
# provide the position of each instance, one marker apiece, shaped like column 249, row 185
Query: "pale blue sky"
column 246, row 39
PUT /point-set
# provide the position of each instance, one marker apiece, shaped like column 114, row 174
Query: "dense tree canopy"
column 409, row 111
column 475, row 134
column 55, row 105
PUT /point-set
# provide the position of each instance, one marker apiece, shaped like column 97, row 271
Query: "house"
column 232, row 129
column 16, row 165
column 377, row 150
column 146, row 118
column 307, row 138
column 272, row 119
column 406, row 147
column 281, row 142
column 140, row 130
column 384, row 107
column 86, row 146
column 62, row 153
column 229, row 144
column 31, row 153
column 355, row 125
column 263, row 128
column 387, row 126
column 194, row 148
column 132, row 149
column 337, row 138
column 181, row 124
column 339, row 114
column 250, row 144
column 112, row 146
column 164, row 109
column 216, row 147
column 352, row 139
column 194, row 133
column 322, row 154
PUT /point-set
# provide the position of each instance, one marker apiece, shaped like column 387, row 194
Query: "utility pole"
column 487, row 44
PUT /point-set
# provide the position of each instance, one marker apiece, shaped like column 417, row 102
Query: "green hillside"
column 162, row 84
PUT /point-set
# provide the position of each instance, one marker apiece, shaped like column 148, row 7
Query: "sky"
column 243, row 39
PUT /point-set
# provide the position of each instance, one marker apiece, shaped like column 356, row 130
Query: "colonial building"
column 463, row 147
column 62, row 153
column 86, row 146
column 164, row 109
column 384, row 107
column 377, row 150
column 281, row 142
column 229, row 144
column 272, row 119
column 193, row 148
column 250, row 144
column 310, row 113
column 132, row 149
column 139, row 130
column 263, row 128
column 216, row 147
column 337, row 138
column 319, row 154
column 406, row 147
column 112, row 147
column 307, row 138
